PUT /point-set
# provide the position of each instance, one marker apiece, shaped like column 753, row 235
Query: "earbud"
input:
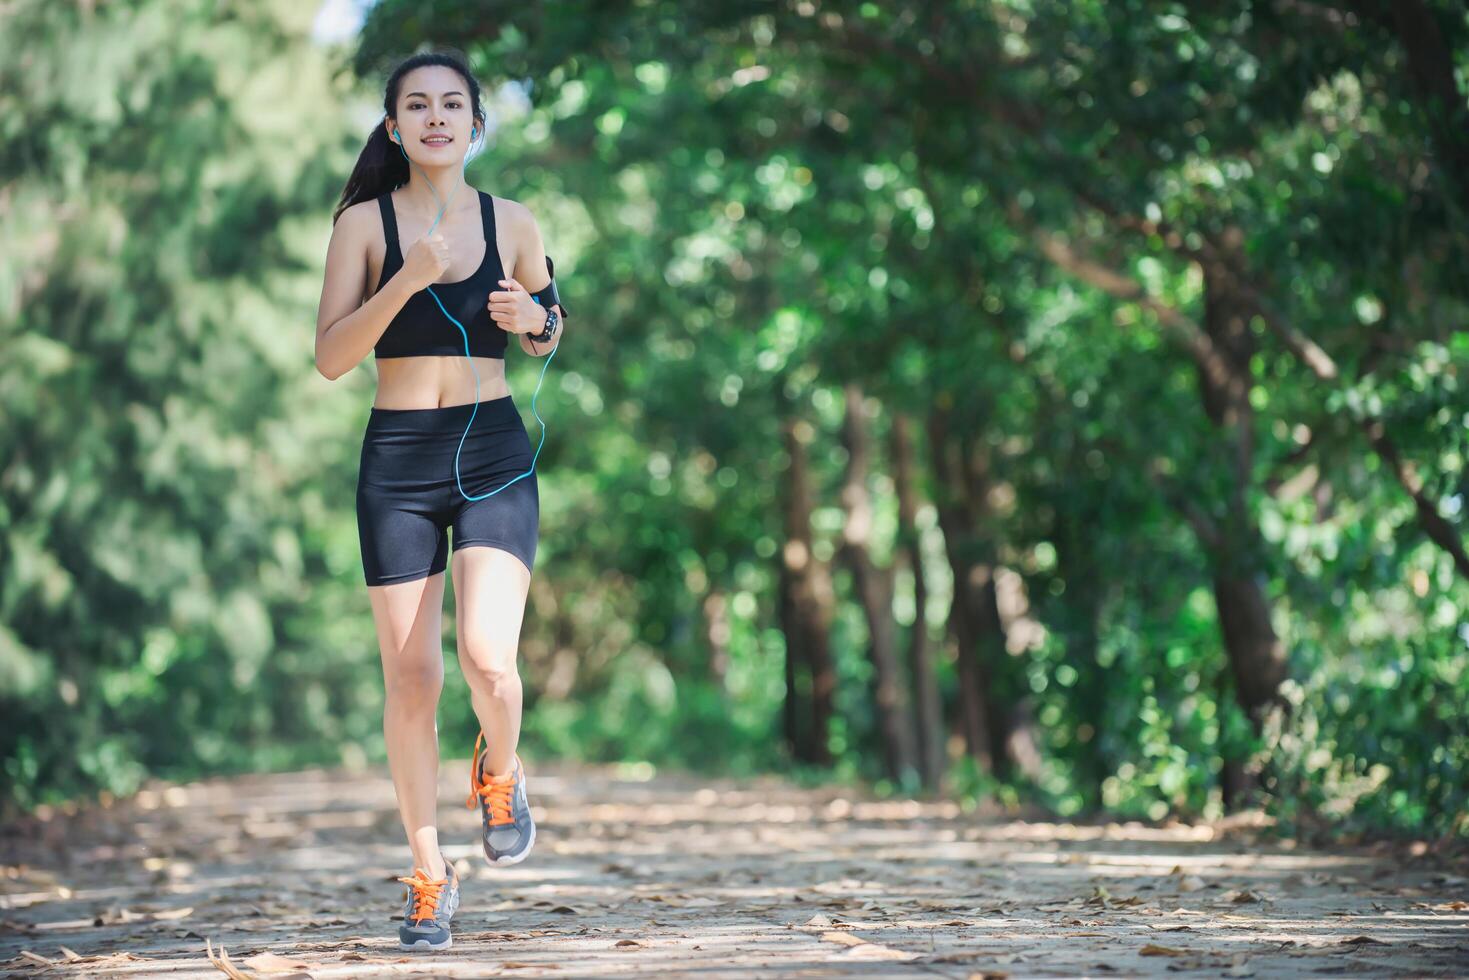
column 395, row 133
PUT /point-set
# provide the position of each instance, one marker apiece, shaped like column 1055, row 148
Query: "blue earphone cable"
column 475, row 410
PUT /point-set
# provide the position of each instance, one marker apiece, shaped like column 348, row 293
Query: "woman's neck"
column 448, row 182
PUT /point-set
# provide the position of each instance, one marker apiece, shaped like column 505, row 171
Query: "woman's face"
column 434, row 115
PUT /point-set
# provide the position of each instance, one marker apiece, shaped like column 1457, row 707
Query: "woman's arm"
column 346, row 327
column 530, row 272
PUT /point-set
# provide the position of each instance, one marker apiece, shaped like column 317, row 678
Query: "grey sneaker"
column 509, row 831
column 427, row 909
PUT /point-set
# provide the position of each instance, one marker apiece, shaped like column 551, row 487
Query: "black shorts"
column 407, row 495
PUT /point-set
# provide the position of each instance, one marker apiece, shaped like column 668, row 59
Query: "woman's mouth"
column 438, row 140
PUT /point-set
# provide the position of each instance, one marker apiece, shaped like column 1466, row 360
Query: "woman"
column 444, row 447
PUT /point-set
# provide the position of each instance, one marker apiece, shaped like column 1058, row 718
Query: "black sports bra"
column 420, row 326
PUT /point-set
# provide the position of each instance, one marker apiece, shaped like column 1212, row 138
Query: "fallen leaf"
column 111, row 959
column 1243, row 896
column 1362, row 941
column 271, row 963
column 1191, row 883
column 845, row 938
column 627, row 942
column 876, row 951
column 115, row 915
column 1152, row 949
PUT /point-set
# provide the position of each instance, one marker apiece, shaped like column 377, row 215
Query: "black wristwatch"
column 553, row 322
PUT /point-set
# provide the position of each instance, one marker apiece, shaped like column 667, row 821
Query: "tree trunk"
column 1256, row 654
column 874, row 588
column 1002, row 706
column 1078, row 566
column 807, row 607
column 970, row 579
column 928, row 707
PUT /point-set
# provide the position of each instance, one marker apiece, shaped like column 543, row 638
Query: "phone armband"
column 548, row 296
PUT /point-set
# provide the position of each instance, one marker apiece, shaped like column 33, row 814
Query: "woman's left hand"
column 514, row 310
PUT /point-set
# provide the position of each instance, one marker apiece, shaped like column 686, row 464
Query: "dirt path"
column 678, row 876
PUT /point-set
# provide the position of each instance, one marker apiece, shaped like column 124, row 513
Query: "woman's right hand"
column 426, row 261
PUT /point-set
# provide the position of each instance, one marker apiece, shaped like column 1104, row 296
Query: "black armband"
column 547, row 297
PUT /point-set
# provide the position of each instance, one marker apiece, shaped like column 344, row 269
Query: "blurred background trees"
column 1050, row 402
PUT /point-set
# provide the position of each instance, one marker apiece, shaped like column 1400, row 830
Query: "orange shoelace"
column 496, row 791
column 425, row 894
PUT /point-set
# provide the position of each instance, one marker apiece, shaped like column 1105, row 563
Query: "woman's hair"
column 381, row 166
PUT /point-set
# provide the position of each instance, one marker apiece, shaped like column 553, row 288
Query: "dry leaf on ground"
column 1152, row 949
column 273, row 963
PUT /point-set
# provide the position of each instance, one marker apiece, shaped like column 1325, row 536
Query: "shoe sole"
column 425, row 944
column 510, row 859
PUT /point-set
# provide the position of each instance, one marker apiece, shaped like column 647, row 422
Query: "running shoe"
column 427, row 909
column 504, row 809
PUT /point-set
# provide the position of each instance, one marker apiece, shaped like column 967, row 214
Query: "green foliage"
column 168, row 510
column 749, row 207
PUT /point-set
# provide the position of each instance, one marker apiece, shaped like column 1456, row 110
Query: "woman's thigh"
column 490, row 588
column 409, row 617
column 494, row 538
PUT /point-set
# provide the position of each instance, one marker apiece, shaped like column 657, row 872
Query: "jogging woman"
column 416, row 254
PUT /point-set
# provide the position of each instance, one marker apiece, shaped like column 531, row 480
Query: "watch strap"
column 553, row 322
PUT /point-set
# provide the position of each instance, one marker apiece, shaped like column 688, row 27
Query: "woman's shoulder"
column 515, row 218
column 357, row 216
column 508, row 209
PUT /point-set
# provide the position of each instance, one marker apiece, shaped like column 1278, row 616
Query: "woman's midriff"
column 437, row 381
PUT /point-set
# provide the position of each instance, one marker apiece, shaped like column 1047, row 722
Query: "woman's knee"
column 489, row 672
column 414, row 682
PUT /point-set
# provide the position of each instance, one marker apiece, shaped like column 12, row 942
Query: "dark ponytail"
column 380, row 166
